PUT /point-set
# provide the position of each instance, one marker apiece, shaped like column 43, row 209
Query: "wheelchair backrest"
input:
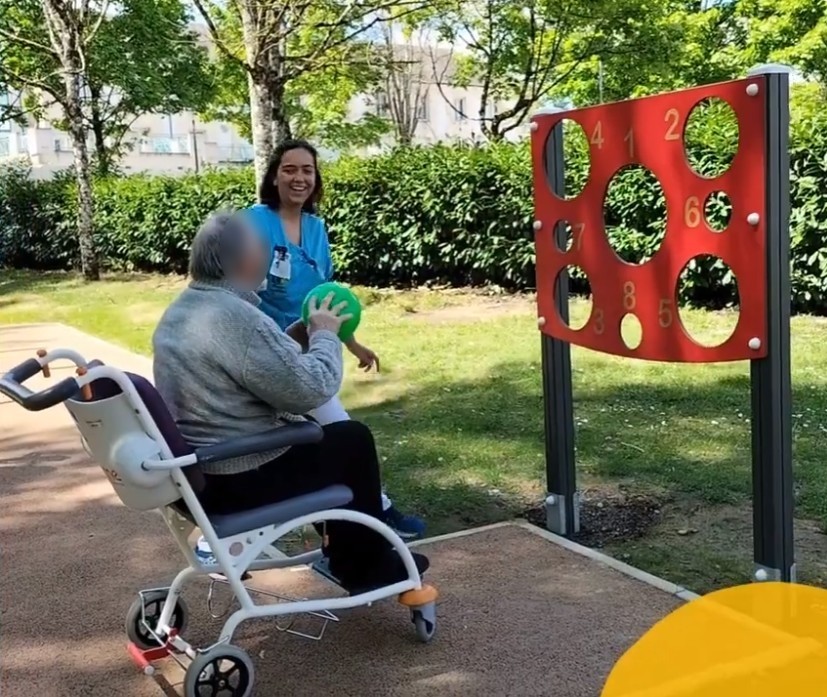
column 112, row 429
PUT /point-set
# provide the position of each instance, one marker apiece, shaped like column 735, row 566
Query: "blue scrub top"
column 310, row 262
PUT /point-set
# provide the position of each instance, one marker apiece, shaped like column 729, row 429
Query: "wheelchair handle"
column 11, row 385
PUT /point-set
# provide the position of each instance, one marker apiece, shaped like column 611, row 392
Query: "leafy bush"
column 460, row 215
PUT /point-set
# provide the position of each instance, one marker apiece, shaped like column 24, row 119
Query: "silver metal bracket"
column 764, row 573
column 556, row 514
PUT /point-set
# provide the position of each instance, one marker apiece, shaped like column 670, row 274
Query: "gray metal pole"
column 562, row 502
column 772, row 470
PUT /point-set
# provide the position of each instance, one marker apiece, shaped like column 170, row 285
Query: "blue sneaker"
column 203, row 552
column 408, row 527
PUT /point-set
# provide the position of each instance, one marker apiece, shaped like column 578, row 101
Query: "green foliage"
column 459, row 215
column 520, row 54
column 140, row 59
column 416, row 215
column 324, row 65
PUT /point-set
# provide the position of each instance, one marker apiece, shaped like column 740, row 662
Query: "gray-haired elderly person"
column 225, row 369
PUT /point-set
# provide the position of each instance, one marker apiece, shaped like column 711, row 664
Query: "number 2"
column 673, row 118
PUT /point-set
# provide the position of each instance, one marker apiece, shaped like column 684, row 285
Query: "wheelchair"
column 128, row 430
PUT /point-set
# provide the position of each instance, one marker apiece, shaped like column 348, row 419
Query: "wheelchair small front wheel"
column 225, row 670
column 146, row 610
column 424, row 621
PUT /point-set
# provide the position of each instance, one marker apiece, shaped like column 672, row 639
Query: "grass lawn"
column 457, row 410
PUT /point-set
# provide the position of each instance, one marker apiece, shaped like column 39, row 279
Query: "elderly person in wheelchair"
column 226, row 370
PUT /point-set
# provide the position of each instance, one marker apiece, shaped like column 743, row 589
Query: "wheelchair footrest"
column 322, row 567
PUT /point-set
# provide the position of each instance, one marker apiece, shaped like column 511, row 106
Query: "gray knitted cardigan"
column 225, row 369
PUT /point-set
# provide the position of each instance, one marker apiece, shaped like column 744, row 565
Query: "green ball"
column 340, row 294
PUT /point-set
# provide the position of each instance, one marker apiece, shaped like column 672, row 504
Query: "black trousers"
column 346, row 455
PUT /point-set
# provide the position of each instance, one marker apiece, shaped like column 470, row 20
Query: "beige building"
column 179, row 143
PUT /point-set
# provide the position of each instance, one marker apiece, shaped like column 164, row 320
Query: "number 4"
column 597, row 135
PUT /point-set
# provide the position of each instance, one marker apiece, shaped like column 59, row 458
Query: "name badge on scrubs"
column 280, row 268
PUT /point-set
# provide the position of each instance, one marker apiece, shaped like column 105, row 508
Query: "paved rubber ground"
column 518, row 615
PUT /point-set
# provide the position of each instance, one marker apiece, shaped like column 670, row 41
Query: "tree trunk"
column 270, row 123
column 261, row 110
column 280, row 119
column 86, row 204
column 102, row 152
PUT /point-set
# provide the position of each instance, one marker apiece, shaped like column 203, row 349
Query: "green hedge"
column 449, row 214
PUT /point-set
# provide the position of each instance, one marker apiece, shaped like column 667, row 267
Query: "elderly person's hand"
column 323, row 317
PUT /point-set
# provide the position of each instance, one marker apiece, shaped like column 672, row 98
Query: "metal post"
column 770, row 377
column 562, row 502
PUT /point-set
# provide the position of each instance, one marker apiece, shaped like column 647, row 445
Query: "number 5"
column 665, row 313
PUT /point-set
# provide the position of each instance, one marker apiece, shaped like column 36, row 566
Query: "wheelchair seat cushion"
column 229, row 524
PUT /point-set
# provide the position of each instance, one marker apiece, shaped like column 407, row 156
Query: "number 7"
column 665, row 313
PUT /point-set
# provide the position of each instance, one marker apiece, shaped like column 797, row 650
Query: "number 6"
column 692, row 212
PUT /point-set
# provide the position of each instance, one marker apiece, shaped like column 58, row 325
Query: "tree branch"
column 16, row 38
column 216, row 36
column 98, row 22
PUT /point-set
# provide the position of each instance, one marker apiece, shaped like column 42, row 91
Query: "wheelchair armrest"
column 294, row 434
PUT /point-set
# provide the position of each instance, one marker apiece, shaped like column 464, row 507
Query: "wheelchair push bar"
column 11, row 383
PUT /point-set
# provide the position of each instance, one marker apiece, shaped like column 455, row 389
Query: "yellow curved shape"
column 756, row 640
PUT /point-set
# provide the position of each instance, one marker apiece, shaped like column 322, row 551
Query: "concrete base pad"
column 518, row 614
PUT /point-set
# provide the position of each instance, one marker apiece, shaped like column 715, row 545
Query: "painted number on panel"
column 597, row 135
column 672, row 118
column 629, row 139
column 665, row 313
column 629, row 299
column 692, row 212
column 599, row 324
column 577, row 236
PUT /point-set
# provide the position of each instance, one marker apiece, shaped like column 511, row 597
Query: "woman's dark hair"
column 268, row 192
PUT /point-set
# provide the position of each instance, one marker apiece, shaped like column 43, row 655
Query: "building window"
column 5, row 125
column 460, row 113
column 162, row 145
column 422, row 108
column 382, row 104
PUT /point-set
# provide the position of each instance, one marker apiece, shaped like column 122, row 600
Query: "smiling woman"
column 299, row 260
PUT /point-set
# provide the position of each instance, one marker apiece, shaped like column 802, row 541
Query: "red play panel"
column 649, row 132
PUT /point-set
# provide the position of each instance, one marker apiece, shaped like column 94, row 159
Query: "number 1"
column 630, row 139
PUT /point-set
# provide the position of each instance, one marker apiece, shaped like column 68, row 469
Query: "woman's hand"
column 367, row 357
column 325, row 318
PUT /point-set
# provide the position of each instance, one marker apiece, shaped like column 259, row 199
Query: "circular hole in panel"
column 707, row 282
column 710, row 139
column 575, row 157
column 718, row 211
column 580, row 301
column 631, row 331
column 567, row 235
column 634, row 214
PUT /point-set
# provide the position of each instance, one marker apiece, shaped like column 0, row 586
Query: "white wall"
column 162, row 144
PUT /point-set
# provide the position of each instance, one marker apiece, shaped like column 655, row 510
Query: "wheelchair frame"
column 251, row 550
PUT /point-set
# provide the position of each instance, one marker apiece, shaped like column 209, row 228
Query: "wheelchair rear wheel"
column 224, row 670
column 146, row 610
